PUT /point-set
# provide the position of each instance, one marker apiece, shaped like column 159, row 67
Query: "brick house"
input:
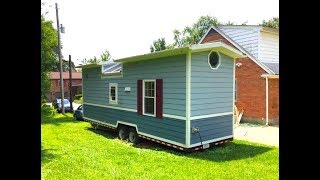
column 257, row 75
column 55, row 84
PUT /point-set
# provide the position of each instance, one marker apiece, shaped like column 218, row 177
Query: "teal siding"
column 168, row 128
column 211, row 90
column 212, row 128
column 171, row 69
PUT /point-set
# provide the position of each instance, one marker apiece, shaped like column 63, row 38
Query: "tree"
column 271, row 23
column 192, row 34
column 65, row 66
column 105, row 56
column 49, row 43
column 158, row 45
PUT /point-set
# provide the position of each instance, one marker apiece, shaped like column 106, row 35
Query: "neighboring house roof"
column 65, row 75
column 257, row 27
column 243, row 50
column 273, row 66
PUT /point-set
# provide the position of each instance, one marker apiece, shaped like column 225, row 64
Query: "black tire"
column 123, row 132
column 133, row 136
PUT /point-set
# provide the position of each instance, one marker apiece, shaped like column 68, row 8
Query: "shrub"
column 77, row 96
column 79, row 101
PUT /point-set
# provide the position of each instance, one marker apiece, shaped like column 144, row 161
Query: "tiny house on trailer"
column 181, row 97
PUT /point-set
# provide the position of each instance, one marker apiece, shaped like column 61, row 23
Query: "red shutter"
column 159, row 98
column 139, row 96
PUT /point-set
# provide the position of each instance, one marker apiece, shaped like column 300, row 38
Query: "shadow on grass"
column 50, row 116
column 58, row 120
column 230, row 151
column 47, row 156
column 107, row 133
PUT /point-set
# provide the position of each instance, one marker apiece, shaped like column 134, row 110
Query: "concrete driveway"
column 268, row 135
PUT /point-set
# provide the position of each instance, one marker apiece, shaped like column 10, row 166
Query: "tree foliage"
column 189, row 35
column 271, row 23
column 49, row 44
column 65, row 66
column 158, row 45
column 105, row 56
column 192, row 34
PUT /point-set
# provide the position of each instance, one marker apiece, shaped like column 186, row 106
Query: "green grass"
column 73, row 150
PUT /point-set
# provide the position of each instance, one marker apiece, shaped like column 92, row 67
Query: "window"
column 214, row 60
column 235, row 90
column 149, row 100
column 59, row 83
column 113, row 93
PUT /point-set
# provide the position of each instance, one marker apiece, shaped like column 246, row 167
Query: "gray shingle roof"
column 273, row 66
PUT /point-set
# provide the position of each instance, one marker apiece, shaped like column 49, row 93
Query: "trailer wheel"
column 133, row 136
column 123, row 132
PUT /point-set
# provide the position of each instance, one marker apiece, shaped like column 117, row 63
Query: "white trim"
column 116, row 93
column 112, row 107
column 188, row 98
column 267, row 102
column 219, row 46
column 210, row 115
column 270, row 76
column 174, row 116
column 219, row 59
column 102, row 122
column 210, row 141
column 133, row 110
column 264, row 67
column 155, row 97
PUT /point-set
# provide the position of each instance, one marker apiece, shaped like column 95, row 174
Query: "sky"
column 128, row 28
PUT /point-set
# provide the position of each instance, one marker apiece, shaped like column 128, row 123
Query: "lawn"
column 73, row 150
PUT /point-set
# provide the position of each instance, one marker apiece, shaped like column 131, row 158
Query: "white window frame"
column 116, row 93
column 155, row 97
column 219, row 60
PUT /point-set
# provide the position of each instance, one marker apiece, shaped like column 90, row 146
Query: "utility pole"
column 59, row 52
column 70, row 82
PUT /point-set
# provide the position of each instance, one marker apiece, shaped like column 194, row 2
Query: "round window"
column 214, row 60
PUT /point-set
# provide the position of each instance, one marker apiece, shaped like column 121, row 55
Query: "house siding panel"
column 211, row 90
column 211, row 128
column 170, row 69
column 168, row 128
column 269, row 47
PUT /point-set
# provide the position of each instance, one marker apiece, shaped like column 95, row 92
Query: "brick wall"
column 251, row 95
column 214, row 36
column 273, row 101
column 251, row 89
column 55, row 88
